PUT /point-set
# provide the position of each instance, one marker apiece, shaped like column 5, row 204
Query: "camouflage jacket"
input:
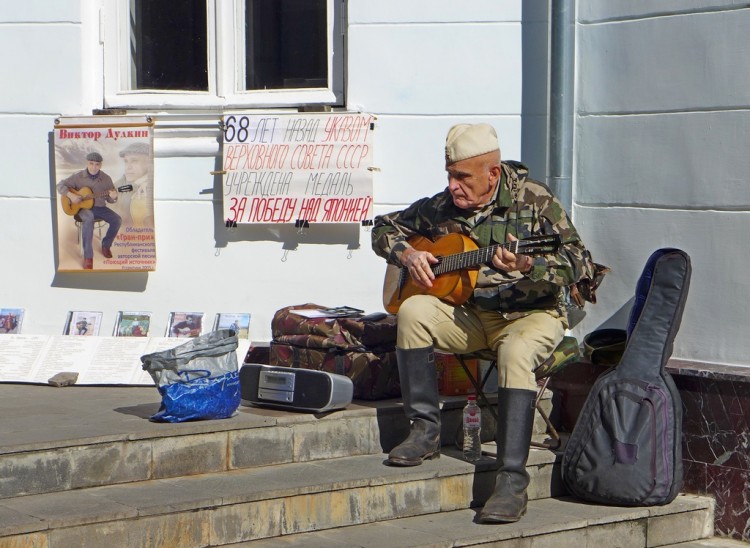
column 522, row 207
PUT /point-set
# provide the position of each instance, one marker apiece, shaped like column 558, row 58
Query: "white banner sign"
column 286, row 168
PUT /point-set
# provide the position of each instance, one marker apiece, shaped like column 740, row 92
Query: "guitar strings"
column 465, row 259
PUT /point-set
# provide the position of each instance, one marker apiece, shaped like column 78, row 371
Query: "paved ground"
column 41, row 416
column 37, row 414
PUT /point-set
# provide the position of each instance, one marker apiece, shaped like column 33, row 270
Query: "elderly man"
column 516, row 307
column 138, row 171
column 83, row 186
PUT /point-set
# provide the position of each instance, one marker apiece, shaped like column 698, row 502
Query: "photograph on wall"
column 104, row 188
column 289, row 168
column 237, row 322
column 83, row 323
column 132, row 324
column 184, row 324
column 10, row 320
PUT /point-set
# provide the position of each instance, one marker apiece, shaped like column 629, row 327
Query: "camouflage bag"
column 361, row 349
column 347, row 333
column 374, row 375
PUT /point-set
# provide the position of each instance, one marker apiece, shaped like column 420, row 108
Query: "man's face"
column 136, row 166
column 94, row 167
column 472, row 182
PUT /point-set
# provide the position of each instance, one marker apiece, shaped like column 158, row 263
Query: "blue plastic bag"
column 197, row 380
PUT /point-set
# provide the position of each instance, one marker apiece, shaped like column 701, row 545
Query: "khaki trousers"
column 521, row 345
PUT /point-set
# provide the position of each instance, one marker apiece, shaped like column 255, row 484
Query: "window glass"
column 169, row 45
column 285, row 44
column 183, row 54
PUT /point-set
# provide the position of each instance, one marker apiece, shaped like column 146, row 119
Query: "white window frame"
column 226, row 76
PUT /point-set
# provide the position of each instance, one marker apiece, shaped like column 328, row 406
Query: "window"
column 223, row 53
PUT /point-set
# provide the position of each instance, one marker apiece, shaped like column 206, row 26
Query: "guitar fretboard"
column 466, row 259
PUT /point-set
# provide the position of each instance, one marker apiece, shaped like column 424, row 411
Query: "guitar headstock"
column 537, row 245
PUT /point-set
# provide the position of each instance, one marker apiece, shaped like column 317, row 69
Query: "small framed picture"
column 10, row 320
column 83, row 323
column 184, row 324
column 237, row 322
column 132, row 324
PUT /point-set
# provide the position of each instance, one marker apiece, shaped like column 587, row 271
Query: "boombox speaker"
column 294, row 389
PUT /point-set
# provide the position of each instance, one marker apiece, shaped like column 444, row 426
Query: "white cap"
column 469, row 140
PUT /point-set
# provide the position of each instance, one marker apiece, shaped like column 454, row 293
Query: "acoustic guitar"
column 458, row 267
column 88, row 199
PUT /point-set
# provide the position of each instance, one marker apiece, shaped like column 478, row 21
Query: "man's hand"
column 507, row 261
column 73, row 197
column 418, row 263
column 113, row 194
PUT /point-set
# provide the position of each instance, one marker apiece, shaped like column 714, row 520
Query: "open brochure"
column 337, row 312
column 97, row 360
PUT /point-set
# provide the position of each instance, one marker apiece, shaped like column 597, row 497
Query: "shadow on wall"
column 619, row 320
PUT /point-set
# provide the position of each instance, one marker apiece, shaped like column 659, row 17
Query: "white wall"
column 661, row 138
column 419, row 66
column 662, row 158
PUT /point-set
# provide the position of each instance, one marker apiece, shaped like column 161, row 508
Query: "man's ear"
column 495, row 173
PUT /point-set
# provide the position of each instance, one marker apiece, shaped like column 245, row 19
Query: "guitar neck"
column 468, row 259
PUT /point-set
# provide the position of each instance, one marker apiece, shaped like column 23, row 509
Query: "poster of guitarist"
column 85, row 195
column 104, row 179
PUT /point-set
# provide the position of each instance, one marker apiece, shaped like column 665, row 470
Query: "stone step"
column 713, row 542
column 562, row 522
column 287, row 499
column 550, row 522
column 72, row 438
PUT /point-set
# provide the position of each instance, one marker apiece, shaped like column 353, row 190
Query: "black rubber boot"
column 515, row 423
column 419, row 391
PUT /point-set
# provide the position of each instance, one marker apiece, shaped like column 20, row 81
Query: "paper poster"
column 104, row 188
column 281, row 168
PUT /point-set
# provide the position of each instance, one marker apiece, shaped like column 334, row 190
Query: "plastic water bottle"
column 472, row 427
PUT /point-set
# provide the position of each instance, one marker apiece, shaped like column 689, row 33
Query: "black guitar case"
column 626, row 448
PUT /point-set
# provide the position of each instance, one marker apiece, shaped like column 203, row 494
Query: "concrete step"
column 559, row 522
column 713, row 542
column 550, row 522
column 57, row 439
column 60, row 439
column 325, row 495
